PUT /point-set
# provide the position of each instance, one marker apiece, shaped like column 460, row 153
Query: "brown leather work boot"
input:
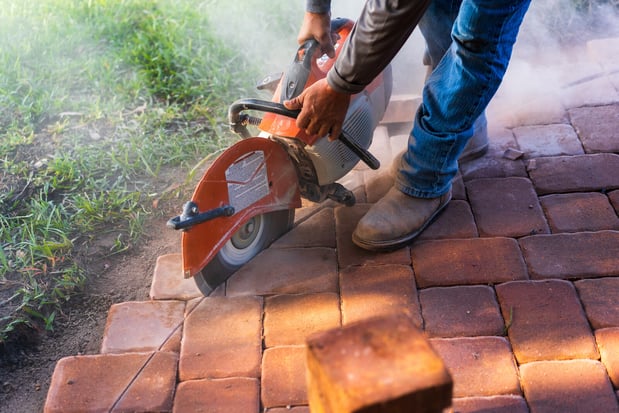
column 396, row 219
column 477, row 146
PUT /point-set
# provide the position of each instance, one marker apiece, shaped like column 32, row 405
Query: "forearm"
column 381, row 31
column 318, row 6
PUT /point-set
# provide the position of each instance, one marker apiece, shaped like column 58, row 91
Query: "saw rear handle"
column 239, row 121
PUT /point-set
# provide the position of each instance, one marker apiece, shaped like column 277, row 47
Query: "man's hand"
column 318, row 26
column 322, row 109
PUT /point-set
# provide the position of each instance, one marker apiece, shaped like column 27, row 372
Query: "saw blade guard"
column 254, row 176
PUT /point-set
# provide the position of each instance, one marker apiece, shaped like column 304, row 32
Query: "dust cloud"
column 554, row 56
column 552, row 44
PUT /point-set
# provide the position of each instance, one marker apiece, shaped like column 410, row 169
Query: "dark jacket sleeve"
column 381, row 30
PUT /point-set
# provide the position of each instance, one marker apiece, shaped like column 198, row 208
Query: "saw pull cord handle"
column 238, row 124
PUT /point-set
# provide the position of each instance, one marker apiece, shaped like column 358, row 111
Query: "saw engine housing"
column 330, row 160
column 333, row 160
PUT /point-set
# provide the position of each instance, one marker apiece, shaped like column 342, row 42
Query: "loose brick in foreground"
column 546, row 321
column 238, row 394
column 378, row 290
column 480, row 366
column 467, row 261
column 461, row 311
column 235, row 350
column 383, row 364
column 568, row 386
column 113, row 382
column 566, row 256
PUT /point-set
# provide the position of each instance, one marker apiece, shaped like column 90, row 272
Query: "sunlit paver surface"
column 516, row 285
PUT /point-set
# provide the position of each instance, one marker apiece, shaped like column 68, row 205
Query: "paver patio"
column 516, row 285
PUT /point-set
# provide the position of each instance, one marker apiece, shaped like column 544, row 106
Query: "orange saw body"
column 247, row 197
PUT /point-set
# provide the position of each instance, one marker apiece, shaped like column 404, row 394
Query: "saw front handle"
column 192, row 216
column 239, row 121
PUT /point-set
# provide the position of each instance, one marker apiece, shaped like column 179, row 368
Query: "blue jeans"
column 470, row 42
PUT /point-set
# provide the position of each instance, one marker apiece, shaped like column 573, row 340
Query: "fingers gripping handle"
column 237, row 124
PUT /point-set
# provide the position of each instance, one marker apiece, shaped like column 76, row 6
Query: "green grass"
column 97, row 98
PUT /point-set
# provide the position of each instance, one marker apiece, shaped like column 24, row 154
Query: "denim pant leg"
column 457, row 92
column 435, row 26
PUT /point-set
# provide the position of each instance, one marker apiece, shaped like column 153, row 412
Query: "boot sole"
column 391, row 245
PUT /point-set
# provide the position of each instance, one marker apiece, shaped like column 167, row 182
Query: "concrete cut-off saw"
column 247, row 197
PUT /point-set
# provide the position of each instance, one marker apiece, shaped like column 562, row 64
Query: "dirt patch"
column 26, row 367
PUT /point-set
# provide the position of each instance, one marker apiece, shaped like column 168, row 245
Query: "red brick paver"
column 499, row 404
column 144, row 326
column 276, row 271
column 608, row 342
column 456, row 221
column 480, row 366
column 461, row 311
column 372, row 290
column 506, row 213
column 317, row 231
column 113, row 382
column 236, row 347
column 545, row 321
column 548, row 140
column 166, row 283
column 575, row 173
column 494, row 165
column 597, row 127
column 283, row 377
column 579, row 255
column 568, row 386
column 516, row 283
column 467, row 261
column 297, row 409
column 239, row 394
column 600, row 300
column 614, row 200
column 289, row 319
column 579, row 212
